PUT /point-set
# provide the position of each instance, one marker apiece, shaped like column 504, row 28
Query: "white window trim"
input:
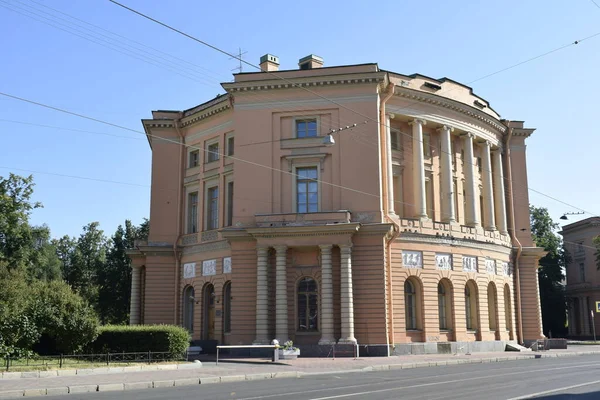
column 207, row 185
column 207, row 144
column 189, row 158
column 295, row 166
column 302, row 118
column 227, row 179
column 227, row 137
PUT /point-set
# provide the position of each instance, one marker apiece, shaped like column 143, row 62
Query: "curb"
column 97, row 371
column 267, row 375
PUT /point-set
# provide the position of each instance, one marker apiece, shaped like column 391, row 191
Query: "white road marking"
column 529, row 396
column 582, row 365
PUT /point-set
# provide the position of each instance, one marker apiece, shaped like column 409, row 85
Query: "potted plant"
column 288, row 351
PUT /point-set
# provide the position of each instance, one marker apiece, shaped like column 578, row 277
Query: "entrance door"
column 208, row 331
column 188, row 309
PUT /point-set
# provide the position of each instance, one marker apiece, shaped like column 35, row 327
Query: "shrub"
column 141, row 338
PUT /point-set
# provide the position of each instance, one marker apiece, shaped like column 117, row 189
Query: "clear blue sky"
column 460, row 40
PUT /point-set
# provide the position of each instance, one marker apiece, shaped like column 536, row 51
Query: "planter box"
column 288, row 354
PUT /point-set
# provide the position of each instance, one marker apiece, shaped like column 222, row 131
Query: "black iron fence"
column 91, row 360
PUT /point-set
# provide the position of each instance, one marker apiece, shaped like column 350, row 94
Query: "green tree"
column 143, row 230
column 15, row 208
column 551, row 272
column 44, row 263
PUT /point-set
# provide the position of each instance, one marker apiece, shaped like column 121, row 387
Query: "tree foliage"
column 551, row 271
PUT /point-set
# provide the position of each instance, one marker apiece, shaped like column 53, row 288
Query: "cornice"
column 206, row 113
column 450, row 104
column 300, row 82
column 206, row 247
column 158, row 123
column 304, row 231
column 453, row 242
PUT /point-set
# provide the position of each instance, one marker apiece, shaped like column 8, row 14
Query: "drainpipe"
column 507, row 157
column 179, row 218
column 388, row 251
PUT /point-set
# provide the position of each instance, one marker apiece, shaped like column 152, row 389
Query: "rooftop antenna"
column 239, row 58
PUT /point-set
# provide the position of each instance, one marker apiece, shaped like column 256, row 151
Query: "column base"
column 490, row 228
column 347, row 341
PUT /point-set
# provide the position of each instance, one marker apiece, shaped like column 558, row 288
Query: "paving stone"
column 66, row 372
column 11, row 375
column 137, row 385
column 187, row 381
column 162, row 384
column 35, row 392
column 109, row 387
column 285, row 374
column 83, row 388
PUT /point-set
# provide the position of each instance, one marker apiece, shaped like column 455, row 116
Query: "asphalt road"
column 546, row 378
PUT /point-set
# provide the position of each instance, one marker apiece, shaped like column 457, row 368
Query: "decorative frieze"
column 209, row 267
column 490, row 266
column 210, row 236
column 443, row 261
column 507, row 268
column 227, row 265
column 189, row 270
column 412, row 259
column 469, row 264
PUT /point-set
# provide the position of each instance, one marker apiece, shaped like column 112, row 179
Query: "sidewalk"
column 240, row 370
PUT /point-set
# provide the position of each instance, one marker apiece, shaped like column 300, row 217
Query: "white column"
column 281, row 308
column 418, row 169
column 347, row 301
column 488, row 190
column 390, row 172
column 499, row 197
column 472, row 200
column 262, row 322
column 326, row 296
column 134, row 305
column 446, row 176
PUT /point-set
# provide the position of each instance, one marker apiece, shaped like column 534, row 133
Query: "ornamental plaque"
column 443, row 261
column 469, row 264
column 209, row 267
column 412, row 259
column 490, row 266
column 189, row 270
column 227, row 265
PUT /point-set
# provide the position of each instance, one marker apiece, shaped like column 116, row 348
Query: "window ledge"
column 211, row 165
column 302, row 142
column 414, row 330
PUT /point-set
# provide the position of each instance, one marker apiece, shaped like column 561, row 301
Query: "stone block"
column 395, row 366
column 83, row 389
column 111, row 387
column 210, row 379
column 163, row 384
column 149, row 367
column 187, row 381
column 444, row 348
column 166, row 367
column 137, row 385
column 285, row 374
column 57, row 391
column 30, row 374
column 256, row 377
column 48, row 374
column 11, row 394
column 190, row 365
column 34, row 392
column 430, row 348
column 421, row 364
column 102, row 370
column 402, row 349
column 417, row 348
column 66, row 372
column 132, row 369
column 408, row 366
column 380, row 368
column 85, row 371
column 11, row 375
column 233, row 378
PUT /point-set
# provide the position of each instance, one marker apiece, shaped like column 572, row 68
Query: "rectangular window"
column 212, row 151
column 307, row 193
column 582, row 272
column 429, row 198
column 479, row 164
column 482, row 216
column 426, row 145
column 452, row 154
column 194, row 159
column 229, row 203
column 395, row 140
column 230, row 145
column 456, row 203
column 212, row 208
column 192, row 226
column 306, row 128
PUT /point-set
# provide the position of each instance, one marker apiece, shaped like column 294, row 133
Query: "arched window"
column 308, row 306
column 492, row 309
column 442, row 306
column 188, row 308
column 227, row 307
column 507, row 309
column 471, row 306
column 410, row 305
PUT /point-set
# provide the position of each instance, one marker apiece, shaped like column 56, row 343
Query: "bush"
column 141, row 338
column 65, row 320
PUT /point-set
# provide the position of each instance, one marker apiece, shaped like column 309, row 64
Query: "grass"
column 49, row 364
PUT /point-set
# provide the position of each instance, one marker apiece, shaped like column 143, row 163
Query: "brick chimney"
column 310, row 62
column 269, row 62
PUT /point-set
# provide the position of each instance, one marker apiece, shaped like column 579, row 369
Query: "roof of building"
column 579, row 225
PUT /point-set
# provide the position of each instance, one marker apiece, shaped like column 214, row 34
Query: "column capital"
column 280, row 248
column 485, row 143
column 262, row 250
column 390, row 115
column 345, row 248
column 445, row 128
column 417, row 121
column 467, row 135
column 326, row 247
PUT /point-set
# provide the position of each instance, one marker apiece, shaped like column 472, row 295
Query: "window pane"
column 312, row 187
column 313, row 198
column 311, row 173
column 302, row 207
column 313, row 312
column 302, row 308
column 301, row 197
column 312, row 125
column 300, row 126
column 302, row 187
column 313, row 208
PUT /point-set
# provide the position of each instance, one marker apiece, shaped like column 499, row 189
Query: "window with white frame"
column 230, row 146
column 394, row 140
column 212, row 150
column 212, row 208
column 306, row 128
column 192, row 226
column 307, row 190
column 229, row 203
column 193, row 159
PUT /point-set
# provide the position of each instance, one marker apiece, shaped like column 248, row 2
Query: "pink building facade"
column 402, row 234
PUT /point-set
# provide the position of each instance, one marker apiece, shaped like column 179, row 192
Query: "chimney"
column 310, row 62
column 269, row 62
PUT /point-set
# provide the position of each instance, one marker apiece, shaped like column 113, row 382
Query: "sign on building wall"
column 507, row 268
column 469, row 264
column 412, row 259
column 227, row 265
column 209, row 267
column 189, row 270
column 490, row 266
column 443, row 261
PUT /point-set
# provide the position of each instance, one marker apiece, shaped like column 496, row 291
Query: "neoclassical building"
column 583, row 280
column 346, row 205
